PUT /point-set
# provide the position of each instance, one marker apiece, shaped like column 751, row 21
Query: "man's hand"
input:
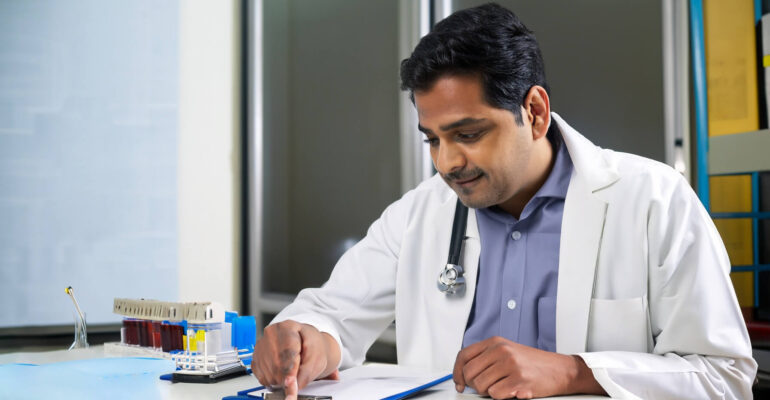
column 291, row 355
column 503, row 369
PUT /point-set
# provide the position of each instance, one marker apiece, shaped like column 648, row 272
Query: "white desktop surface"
column 168, row 390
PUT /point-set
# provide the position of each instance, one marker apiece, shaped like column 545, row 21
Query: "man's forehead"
column 452, row 87
column 437, row 112
column 450, row 99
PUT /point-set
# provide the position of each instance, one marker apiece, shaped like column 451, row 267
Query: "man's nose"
column 450, row 158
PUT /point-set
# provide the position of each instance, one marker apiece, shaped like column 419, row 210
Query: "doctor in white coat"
column 644, row 308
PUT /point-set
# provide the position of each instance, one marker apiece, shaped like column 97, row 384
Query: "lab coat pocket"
column 618, row 325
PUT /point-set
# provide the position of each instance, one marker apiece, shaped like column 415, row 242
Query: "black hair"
column 488, row 41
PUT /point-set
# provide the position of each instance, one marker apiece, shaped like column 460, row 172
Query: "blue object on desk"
column 113, row 378
column 244, row 334
column 418, row 389
column 229, row 316
column 244, row 394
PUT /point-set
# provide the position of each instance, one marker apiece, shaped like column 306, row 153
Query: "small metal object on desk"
column 280, row 395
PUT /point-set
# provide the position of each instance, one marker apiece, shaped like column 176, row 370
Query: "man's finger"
column 289, row 359
column 463, row 357
column 262, row 372
column 290, row 387
column 476, row 367
column 255, row 367
column 474, row 350
column 308, row 371
column 482, row 381
column 334, row 376
column 309, row 367
column 288, row 355
column 457, row 373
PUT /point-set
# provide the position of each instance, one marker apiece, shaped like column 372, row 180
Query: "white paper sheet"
column 371, row 382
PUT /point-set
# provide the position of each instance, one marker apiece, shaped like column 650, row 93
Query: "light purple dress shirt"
column 519, row 265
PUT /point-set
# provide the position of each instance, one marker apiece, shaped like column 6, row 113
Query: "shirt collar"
column 555, row 185
column 558, row 180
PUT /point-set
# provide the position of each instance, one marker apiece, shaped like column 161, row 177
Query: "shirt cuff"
column 598, row 364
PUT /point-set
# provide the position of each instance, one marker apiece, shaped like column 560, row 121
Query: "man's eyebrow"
column 462, row 122
column 453, row 125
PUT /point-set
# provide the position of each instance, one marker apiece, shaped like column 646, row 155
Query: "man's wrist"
column 582, row 379
column 333, row 353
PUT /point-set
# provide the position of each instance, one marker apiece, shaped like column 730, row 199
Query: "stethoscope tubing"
column 459, row 226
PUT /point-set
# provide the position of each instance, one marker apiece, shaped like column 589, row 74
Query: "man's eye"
column 469, row 136
column 431, row 141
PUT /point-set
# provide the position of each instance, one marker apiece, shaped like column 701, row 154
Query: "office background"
column 231, row 151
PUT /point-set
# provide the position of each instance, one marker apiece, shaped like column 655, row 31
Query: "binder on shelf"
column 731, row 193
column 764, row 29
column 737, row 236
column 743, row 283
column 731, row 60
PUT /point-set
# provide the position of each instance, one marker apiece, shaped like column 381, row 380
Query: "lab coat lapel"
column 581, row 237
column 582, row 226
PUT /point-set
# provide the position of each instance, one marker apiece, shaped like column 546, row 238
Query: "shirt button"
column 516, row 235
column 511, row 304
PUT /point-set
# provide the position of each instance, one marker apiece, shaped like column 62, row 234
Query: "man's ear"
column 537, row 108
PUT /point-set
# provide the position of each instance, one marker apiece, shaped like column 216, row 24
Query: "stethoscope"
column 451, row 280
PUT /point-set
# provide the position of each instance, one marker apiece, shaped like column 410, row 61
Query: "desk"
column 167, row 390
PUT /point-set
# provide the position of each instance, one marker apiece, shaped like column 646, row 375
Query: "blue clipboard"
column 418, row 389
column 246, row 394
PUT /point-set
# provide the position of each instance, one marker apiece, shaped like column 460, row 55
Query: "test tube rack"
column 200, row 337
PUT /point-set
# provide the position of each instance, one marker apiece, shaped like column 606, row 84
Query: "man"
column 587, row 271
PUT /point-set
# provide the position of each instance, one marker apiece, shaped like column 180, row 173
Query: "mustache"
column 463, row 174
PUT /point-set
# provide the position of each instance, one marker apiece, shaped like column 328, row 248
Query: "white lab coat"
column 644, row 294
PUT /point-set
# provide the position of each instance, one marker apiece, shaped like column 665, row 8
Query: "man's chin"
column 471, row 197
column 472, row 202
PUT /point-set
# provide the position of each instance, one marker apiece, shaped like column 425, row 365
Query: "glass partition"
column 88, row 156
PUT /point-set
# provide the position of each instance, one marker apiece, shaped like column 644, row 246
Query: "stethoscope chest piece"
column 451, row 279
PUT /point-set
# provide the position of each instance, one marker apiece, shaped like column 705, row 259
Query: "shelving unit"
column 739, row 154
column 754, row 215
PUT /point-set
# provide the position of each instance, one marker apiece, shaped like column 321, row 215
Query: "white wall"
column 209, row 148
